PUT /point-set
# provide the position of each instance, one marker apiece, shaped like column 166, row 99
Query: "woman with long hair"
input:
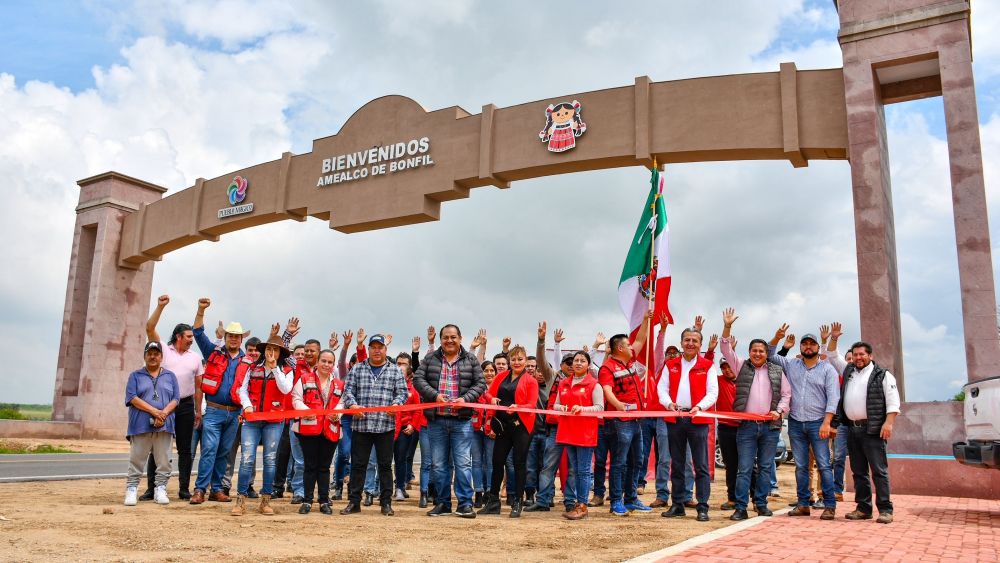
column 513, row 388
column 318, row 434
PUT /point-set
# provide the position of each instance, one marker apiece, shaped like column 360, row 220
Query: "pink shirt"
column 185, row 367
column 759, row 401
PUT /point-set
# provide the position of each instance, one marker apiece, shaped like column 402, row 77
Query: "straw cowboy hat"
column 236, row 328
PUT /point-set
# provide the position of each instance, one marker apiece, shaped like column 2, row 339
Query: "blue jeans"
column 218, row 432
column 840, row 458
column 687, row 436
column 371, row 475
column 624, row 459
column 547, row 479
column 255, row 433
column 425, row 461
column 451, row 443
column 298, row 464
column 805, row 435
column 478, row 458
column 536, row 458
column 342, row 467
column 756, row 443
column 578, row 482
column 606, row 439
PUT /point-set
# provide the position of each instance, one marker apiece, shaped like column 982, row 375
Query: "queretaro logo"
column 238, row 190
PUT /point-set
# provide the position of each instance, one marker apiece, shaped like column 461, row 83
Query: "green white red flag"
column 641, row 285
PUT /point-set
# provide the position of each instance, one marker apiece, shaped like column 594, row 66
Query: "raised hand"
column 824, row 333
column 334, row 341
column 361, row 336
column 275, row 329
column 599, row 340
column 559, row 335
column 699, row 323
column 482, row 336
column 586, row 348
column 664, row 321
column 713, row 342
column 162, row 301
column 204, row 303
column 431, row 334
column 506, row 344
column 475, row 342
column 388, row 340
column 543, row 328
column 220, row 331
column 293, row 326
column 789, row 342
column 729, row 317
column 416, row 345
column 348, row 337
column 836, row 330
column 780, row 333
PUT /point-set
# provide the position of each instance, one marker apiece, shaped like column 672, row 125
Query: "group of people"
column 475, row 434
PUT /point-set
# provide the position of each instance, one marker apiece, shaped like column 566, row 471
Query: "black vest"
column 744, row 380
column 875, row 402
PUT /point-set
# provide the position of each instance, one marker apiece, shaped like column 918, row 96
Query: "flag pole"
column 652, row 286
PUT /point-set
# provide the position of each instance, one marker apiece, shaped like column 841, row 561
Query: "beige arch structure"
column 410, row 160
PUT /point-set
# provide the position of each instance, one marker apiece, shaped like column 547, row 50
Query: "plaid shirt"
column 363, row 389
column 448, row 385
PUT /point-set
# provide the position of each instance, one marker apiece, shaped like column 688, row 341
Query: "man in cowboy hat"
column 221, row 415
column 264, row 389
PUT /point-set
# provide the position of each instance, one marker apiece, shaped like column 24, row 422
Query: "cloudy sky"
column 169, row 91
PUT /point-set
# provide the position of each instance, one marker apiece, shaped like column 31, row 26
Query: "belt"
column 223, row 407
column 859, row 423
column 189, row 398
column 683, row 409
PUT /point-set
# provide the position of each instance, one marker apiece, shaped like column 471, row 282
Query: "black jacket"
column 471, row 384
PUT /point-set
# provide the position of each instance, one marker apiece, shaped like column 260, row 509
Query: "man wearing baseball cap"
column 151, row 395
column 815, row 394
column 375, row 382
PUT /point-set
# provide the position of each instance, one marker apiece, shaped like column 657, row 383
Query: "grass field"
column 7, row 447
column 17, row 411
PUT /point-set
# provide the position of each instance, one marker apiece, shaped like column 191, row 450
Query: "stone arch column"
column 106, row 308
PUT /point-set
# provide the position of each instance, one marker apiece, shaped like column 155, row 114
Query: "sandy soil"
column 69, row 521
column 77, row 445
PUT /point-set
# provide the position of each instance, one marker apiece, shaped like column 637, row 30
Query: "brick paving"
column 925, row 529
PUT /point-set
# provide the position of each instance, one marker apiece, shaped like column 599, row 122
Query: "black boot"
column 423, row 500
column 478, row 501
column 491, row 504
column 529, row 496
column 515, row 507
column 369, row 499
column 148, row 495
column 338, row 492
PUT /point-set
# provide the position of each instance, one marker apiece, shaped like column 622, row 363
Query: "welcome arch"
column 892, row 51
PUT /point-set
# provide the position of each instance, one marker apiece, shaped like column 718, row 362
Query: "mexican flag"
column 640, row 283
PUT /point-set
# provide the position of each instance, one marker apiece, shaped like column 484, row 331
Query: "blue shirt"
column 158, row 392
column 206, row 346
column 815, row 391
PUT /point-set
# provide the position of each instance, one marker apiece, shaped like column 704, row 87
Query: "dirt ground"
column 77, row 445
column 86, row 521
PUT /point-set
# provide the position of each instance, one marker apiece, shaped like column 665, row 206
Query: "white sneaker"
column 160, row 495
column 131, row 496
column 399, row 495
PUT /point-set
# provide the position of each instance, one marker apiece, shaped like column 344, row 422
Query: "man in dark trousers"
column 868, row 407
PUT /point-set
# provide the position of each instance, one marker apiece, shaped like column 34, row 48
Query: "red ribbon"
column 275, row 416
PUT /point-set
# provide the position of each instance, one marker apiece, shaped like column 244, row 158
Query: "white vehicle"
column 981, row 447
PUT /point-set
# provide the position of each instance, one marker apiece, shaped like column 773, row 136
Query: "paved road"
column 63, row 467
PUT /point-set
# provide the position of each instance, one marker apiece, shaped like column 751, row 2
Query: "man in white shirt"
column 689, row 385
column 868, row 407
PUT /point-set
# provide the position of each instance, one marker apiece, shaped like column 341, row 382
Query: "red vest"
column 262, row 388
column 313, row 398
column 577, row 430
column 697, row 379
column 215, row 369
